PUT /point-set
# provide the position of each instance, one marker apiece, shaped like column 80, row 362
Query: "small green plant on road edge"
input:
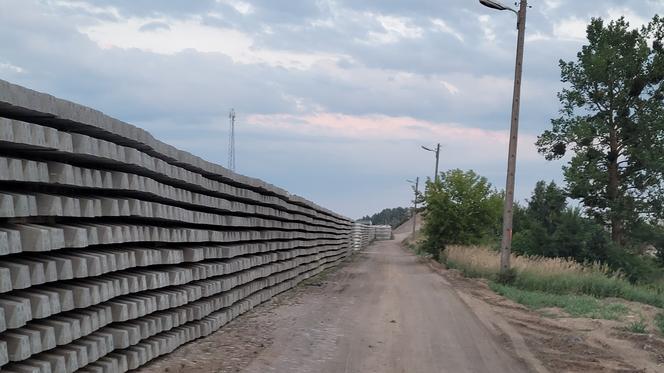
column 637, row 327
column 659, row 321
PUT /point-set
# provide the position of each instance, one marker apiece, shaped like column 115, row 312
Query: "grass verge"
column 556, row 276
column 574, row 305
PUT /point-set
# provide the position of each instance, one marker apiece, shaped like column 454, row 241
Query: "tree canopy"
column 390, row 216
column 461, row 208
column 612, row 121
column 547, row 226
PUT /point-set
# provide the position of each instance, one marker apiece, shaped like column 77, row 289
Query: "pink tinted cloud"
column 376, row 128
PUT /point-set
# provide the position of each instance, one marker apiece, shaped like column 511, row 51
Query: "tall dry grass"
column 552, row 275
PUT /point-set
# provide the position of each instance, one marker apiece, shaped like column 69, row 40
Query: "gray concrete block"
column 74, row 325
column 7, row 209
column 74, row 236
column 58, row 362
column 19, row 274
column 90, row 346
column 46, row 335
column 49, row 205
column 18, row 345
column 5, row 280
column 40, row 305
column 62, row 330
column 65, row 296
column 16, row 311
column 35, row 270
column 10, row 240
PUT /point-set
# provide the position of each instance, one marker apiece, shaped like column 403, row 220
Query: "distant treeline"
column 391, row 216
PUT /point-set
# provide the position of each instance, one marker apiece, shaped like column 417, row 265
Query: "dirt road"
column 382, row 312
column 388, row 313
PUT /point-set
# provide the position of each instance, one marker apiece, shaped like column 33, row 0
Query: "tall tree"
column 612, row 120
column 547, row 204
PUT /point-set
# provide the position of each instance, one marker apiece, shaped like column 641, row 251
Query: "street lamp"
column 508, row 210
column 437, row 151
column 497, row 5
column 416, row 184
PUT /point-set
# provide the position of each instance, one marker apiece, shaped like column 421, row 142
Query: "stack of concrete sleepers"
column 116, row 248
column 383, row 232
column 362, row 235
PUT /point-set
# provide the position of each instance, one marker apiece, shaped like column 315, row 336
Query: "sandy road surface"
column 386, row 313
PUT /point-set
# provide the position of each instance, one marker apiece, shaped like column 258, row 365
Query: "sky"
column 333, row 97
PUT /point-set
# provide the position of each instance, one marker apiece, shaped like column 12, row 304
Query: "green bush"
column 461, row 208
column 548, row 227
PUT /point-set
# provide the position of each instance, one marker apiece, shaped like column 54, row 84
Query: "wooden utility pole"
column 417, row 185
column 437, row 158
column 437, row 151
column 508, row 211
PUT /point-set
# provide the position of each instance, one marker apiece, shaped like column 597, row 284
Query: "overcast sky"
column 334, row 98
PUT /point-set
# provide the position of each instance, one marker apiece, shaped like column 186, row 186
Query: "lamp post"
column 416, row 190
column 437, row 151
column 508, row 210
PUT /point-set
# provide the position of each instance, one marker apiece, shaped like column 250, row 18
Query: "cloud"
column 572, row 28
column 154, row 26
column 174, row 36
column 104, row 11
column 334, row 97
column 12, row 68
column 450, row 87
column 635, row 20
column 487, row 29
column 380, row 128
column 442, row 26
column 241, row 7
column 393, row 29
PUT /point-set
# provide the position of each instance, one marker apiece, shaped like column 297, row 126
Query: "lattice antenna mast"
column 231, row 141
